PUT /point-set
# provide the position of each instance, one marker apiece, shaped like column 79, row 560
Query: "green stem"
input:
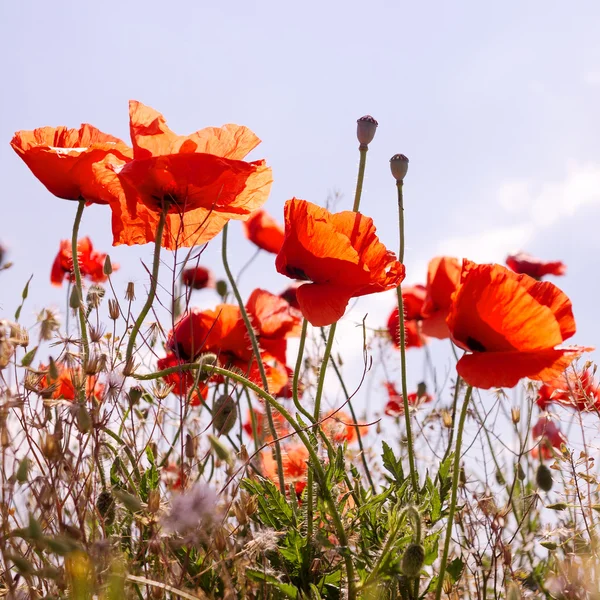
column 153, row 285
column 411, row 451
column 295, row 395
column 257, row 356
column 323, row 370
column 77, row 273
column 361, row 176
column 455, row 479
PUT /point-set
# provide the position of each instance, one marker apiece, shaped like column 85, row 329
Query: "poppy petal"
column 323, row 304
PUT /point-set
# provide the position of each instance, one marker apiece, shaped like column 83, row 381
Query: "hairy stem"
column 77, row 272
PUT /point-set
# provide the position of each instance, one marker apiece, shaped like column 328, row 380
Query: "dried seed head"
column 49, row 324
column 107, row 269
column 399, row 166
column 161, row 390
column 220, row 540
column 154, row 501
column 93, row 364
column 513, row 591
column 413, row 560
column 94, row 296
column 365, row 130
column 515, row 414
column 105, row 504
column 84, row 419
column 130, row 292
column 130, row 367
column 190, row 446
column 96, row 333
column 543, row 478
column 243, row 454
column 113, row 309
column 447, row 418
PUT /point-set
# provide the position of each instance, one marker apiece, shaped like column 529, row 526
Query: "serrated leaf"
column 392, row 464
column 455, row 569
column 28, row 358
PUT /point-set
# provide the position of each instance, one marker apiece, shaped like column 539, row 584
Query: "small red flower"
column 295, row 465
column 261, row 229
column 339, row 254
column 64, row 386
column 510, row 324
column 198, row 278
column 74, row 164
column 91, row 263
column 549, row 436
column 395, row 403
column 534, row 267
column 339, row 427
column 183, row 381
column 443, row 276
column 262, row 425
column 575, row 390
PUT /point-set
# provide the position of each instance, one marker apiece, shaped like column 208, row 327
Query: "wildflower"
column 263, row 231
column 199, row 180
column 580, row 391
column 395, row 403
column 91, row 263
column 262, row 425
column 74, row 164
column 191, row 509
column 198, row 278
column 413, row 338
column 443, row 276
column 290, row 295
column 510, row 325
column 339, row 427
column 183, row 381
column 549, row 436
column 534, row 267
column 65, row 385
column 339, row 254
column 294, row 463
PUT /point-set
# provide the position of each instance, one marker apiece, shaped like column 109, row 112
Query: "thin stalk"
column 257, row 355
column 295, row 395
column 77, row 272
column 153, row 285
column 361, row 176
column 455, row 479
column 411, row 451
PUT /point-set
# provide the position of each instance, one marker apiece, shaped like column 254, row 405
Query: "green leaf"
column 287, row 589
column 24, row 295
column 392, row 464
column 455, row 569
column 273, row 509
column 28, row 358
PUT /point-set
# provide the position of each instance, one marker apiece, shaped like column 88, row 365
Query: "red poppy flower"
column 262, row 425
column 580, row 391
column 261, row 229
column 73, row 164
column 534, row 267
column 395, row 403
column 198, row 278
column 183, row 382
column 223, row 332
column 339, row 427
column 290, row 295
column 443, row 276
column 295, row 465
column 199, row 179
column 64, row 386
column 287, row 391
column 413, row 298
column 91, row 263
column 510, row 325
column 339, row 253
column 551, row 437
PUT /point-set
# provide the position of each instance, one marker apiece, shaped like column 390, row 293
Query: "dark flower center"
column 475, row 345
column 297, row 273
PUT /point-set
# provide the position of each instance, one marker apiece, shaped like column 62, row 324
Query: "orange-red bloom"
column 198, row 278
column 339, row 427
column 295, row 466
column 580, row 391
column 200, row 180
column 395, row 403
column 339, row 253
column 290, row 295
column 510, row 324
column 534, row 267
column 443, row 276
column 183, row 381
column 551, row 437
column 413, row 298
column 262, row 229
column 262, row 425
column 64, row 386
column 91, row 263
column 73, row 164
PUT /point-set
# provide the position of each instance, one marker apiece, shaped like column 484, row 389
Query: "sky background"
column 495, row 104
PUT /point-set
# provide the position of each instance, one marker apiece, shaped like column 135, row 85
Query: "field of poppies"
column 185, row 452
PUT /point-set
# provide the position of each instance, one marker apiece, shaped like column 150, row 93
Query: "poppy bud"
column 52, row 370
column 134, row 395
column 84, row 420
column 190, row 446
column 74, row 298
column 113, row 309
column 107, row 266
column 224, row 414
column 154, row 501
column 105, row 504
column 515, row 414
column 365, row 130
column 413, row 560
column 520, row 473
column 221, row 287
column 543, row 478
column 23, row 470
column 399, row 166
column 500, row 477
column 447, row 418
column 130, row 291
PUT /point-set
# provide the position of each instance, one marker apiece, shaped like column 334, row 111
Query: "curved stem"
column 323, row 370
column 455, row 479
column 257, row 356
column 411, row 451
column 77, row 273
column 153, row 285
column 361, row 176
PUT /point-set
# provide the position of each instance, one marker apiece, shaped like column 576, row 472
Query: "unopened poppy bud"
column 515, row 414
column 399, row 166
column 113, row 309
column 365, row 130
column 130, row 292
column 107, row 266
column 134, row 395
column 447, row 418
column 219, row 449
column 23, row 470
column 421, row 390
column 84, row 420
column 413, row 560
column 154, row 501
column 105, row 504
column 220, row 540
column 543, row 478
column 190, row 446
column 221, row 287
column 74, row 298
column 224, row 414
column 243, row 454
column 52, row 370
column 50, row 448
column 500, row 477
column 520, row 473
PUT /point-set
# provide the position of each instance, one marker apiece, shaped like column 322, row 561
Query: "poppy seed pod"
column 224, row 414
column 365, row 130
column 413, row 560
column 399, row 166
column 543, row 478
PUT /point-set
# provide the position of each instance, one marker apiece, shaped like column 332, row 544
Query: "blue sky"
column 495, row 104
